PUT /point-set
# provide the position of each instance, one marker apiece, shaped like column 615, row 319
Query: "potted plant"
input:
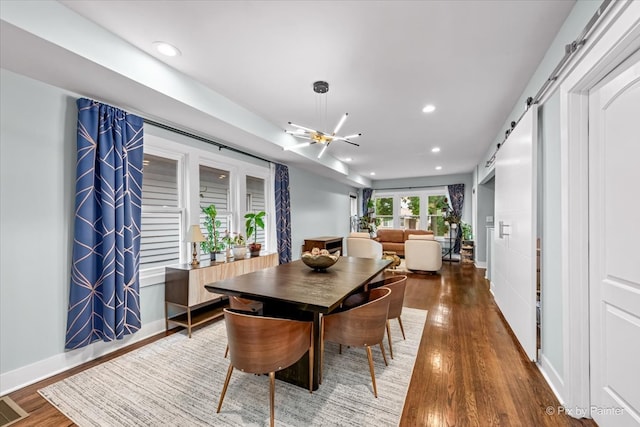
column 214, row 244
column 255, row 221
column 239, row 246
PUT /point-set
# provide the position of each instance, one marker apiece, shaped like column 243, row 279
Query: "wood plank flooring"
column 469, row 370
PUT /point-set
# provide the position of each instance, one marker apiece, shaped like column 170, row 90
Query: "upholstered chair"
column 362, row 246
column 360, row 326
column 397, row 284
column 261, row 345
column 422, row 253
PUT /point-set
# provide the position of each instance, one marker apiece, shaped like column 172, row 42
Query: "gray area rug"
column 177, row 381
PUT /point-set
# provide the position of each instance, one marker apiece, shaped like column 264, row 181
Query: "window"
column 384, row 211
column 353, row 212
column 214, row 190
column 415, row 209
column 161, row 213
column 435, row 219
column 255, row 203
column 410, row 212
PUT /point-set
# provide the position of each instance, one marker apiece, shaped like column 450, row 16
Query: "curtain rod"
column 410, row 188
column 569, row 52
column 203, row 139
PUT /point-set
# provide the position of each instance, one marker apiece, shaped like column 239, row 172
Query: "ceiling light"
column 429, row 108
column 166, row 49
column 316, row 136
column 348, row 159
column 372, row 173
column 438, row 168
column 435, row 150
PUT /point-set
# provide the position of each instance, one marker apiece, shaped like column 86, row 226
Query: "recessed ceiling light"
column 438, row 168
column 429, row 108
column 372, row 173
column 435, row 150
column 166, row 49
column 348, row 159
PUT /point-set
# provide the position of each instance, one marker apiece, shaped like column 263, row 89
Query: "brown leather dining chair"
column 246, row 305
column 261, row 345
column 360, row 326
column 397, row 284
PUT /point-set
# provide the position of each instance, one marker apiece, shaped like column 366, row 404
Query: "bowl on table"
column 320, row 259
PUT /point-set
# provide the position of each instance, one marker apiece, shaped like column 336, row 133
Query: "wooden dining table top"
column 297, row 284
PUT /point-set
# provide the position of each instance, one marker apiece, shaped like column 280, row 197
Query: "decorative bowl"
column 319, row 262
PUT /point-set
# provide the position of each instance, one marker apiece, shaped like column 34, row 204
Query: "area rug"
column 176, row 381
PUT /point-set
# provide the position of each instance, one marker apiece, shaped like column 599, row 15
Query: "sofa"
column 392, row 239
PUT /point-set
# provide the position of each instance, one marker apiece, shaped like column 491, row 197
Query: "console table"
column 184, row 287
column 332, row 244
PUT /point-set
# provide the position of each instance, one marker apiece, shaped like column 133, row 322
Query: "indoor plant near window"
column 214, row 244
column 466, row 231
column 239, row 246
column 255, row 222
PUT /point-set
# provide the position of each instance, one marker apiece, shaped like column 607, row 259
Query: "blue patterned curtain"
column 456, row 196
column 366, row 196
column 104, row 299
column 283, row 213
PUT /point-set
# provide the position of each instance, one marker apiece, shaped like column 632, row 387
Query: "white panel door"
column 513, row 275
column 614, row 251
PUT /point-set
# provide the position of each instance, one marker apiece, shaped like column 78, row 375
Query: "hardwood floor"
column 469, row 370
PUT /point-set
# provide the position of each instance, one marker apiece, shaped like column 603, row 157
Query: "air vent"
column 10, row 412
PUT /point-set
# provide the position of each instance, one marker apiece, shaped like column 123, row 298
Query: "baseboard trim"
column 481, row 264
column 38, row 371
column 552, row 378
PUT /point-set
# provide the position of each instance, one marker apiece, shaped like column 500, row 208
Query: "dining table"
column 294, row 290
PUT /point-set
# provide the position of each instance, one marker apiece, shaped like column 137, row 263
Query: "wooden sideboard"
column 332, row 244
column 184, row 287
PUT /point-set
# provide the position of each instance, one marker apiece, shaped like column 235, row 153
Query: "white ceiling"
column 384, row 61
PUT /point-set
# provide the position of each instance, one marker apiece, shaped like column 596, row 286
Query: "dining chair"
column 360, row 326
column 261, row 345
column 397, row 284
column 246, row 305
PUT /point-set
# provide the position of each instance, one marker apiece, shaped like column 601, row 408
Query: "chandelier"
column 313, row 136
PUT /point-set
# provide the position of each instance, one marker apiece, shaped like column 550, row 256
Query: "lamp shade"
column 194, row 234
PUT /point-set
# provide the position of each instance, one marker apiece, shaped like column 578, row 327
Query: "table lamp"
column 195, row 236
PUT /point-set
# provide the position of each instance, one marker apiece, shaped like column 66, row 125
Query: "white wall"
column 550, row 242
column 319, row 207
column 37, row 201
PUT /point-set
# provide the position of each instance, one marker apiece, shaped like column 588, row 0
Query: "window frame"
column 423, row 193
column 156, row 147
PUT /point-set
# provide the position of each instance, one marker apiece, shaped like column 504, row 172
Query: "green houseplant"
column 214, row 243
column 254, row 222
column 239, row 246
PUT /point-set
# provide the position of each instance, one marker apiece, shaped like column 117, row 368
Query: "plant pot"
column 239, row 252
column 254, row 249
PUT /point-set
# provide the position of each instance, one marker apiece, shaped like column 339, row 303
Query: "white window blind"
column 256, row 203
column 161, row 213
column 214, row 190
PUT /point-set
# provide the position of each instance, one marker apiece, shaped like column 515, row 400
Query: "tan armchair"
column 422, row 253
column 362, row 246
